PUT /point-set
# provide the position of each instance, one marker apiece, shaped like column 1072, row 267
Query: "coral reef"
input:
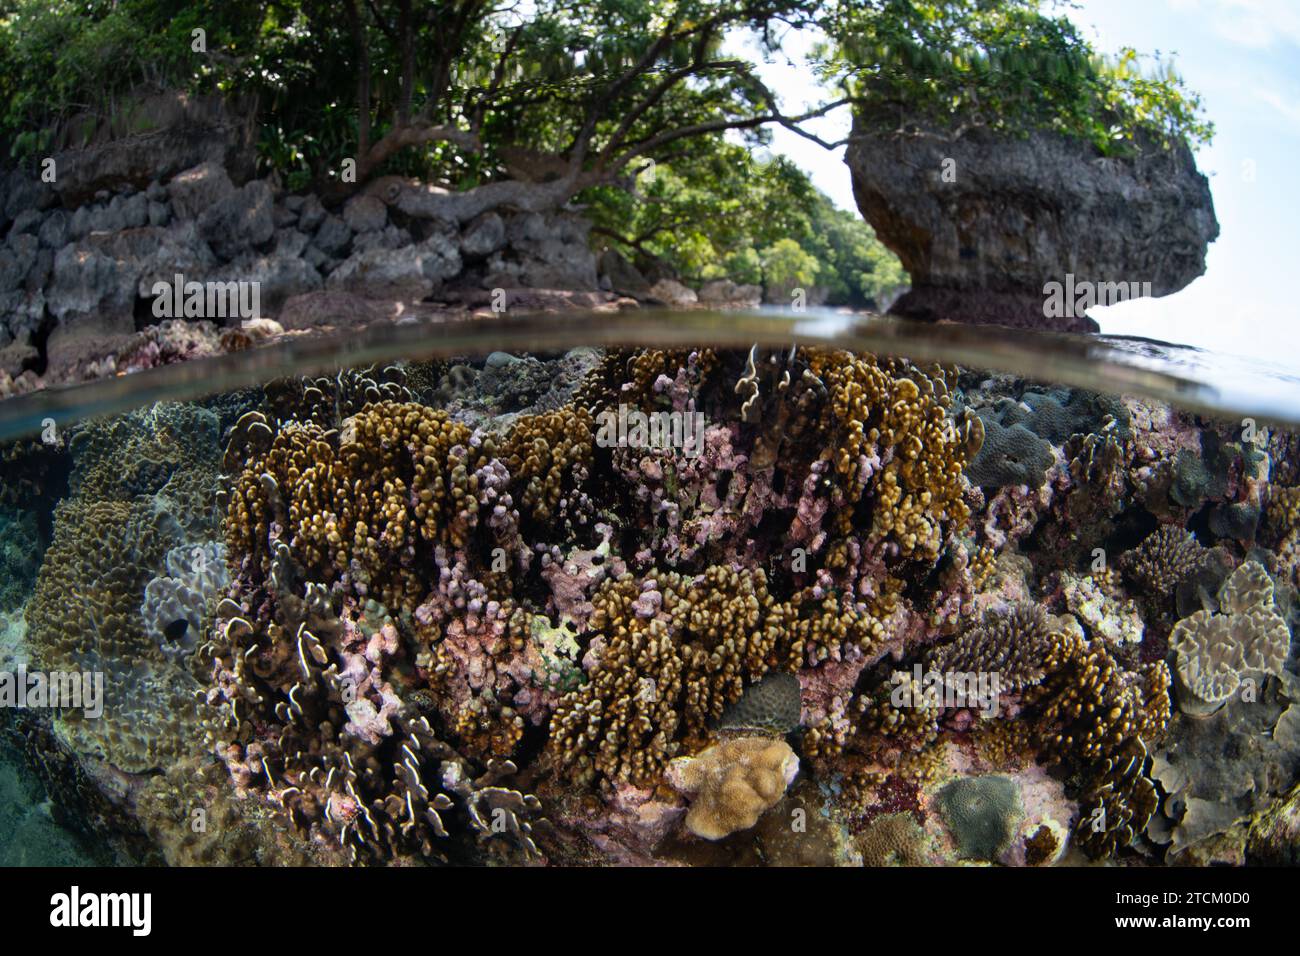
column 670, row 606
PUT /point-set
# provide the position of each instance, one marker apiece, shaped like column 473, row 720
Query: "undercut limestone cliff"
column 983, row 221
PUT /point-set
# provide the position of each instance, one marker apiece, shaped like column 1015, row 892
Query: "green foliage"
column 62, row 57
column 720, row 212
column 1005, row 65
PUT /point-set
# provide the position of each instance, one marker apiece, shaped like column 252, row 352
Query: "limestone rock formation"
column 983, row 221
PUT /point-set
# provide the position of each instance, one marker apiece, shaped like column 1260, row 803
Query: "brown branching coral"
column 1021, row 645
column 548, row 455
column 358, row 500
column 895, row 436
column 1091, row 706
column 1164, row 559
column 675, row 651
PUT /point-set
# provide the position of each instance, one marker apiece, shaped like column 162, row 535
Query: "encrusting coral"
column 140, row 486
column 1247, row 639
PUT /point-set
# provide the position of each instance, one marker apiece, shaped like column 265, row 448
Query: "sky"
column 1243, row 57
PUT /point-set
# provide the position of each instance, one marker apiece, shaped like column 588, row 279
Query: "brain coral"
column 1010, row 456
column 982, row 813
column 773, row 705
column 733, row 783
column 893, row 839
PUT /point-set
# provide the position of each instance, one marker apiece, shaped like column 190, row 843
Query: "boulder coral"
column 732, row 783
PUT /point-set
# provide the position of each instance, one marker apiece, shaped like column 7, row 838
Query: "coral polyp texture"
column 671, row 605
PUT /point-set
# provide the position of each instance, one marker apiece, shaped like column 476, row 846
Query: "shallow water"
column 1192, row 378
column 441, row 594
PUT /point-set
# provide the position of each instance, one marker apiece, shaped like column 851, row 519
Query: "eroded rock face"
column 1013, row 214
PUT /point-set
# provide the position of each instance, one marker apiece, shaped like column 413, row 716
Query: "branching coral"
column 1021, row 645
column 891, row 434
column 1165, row 558
column 674, row 652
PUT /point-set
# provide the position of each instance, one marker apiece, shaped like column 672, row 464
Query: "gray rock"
column 544, row 251
column 279, row 278
column 1021, row 212
column 17, row 257
column 24, row 312
column 318, row 260
column 156, row 192
column 390, row 238
column 27, row 222
column 107, row 218
column 723, row 293
column 311, row 214
column 86, row 281
column 624, row 278
column 290, row 242
column 79, row 225
column 159, row 213
column 54, row 229
column 483, row 236
column 283, row 217
column 409, row 273
column 193, row 191
column 333, row 236
column 135, row 211
column 672, row 293
column 159, row 254
column 365, row 214
column 294, row 204
column 241, row 220
column 25, row 192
